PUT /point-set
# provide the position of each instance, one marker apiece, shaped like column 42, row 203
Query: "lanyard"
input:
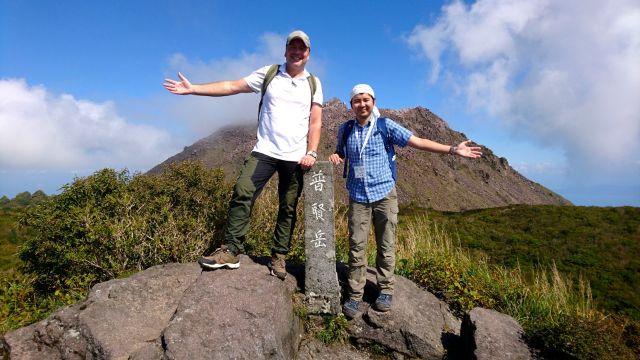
column 372, row 124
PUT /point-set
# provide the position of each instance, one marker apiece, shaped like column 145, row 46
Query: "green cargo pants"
column 256, row 172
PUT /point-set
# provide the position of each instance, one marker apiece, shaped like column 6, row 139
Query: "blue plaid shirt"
column 378, row 180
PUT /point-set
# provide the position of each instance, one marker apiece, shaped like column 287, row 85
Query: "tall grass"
column 558, row 319
column 259, row 238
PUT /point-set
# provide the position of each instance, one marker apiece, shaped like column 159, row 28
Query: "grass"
column 558, row 316
column 590, row 244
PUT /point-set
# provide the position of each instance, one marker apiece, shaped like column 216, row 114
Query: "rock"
column 176, row 311
column 416, row 326
column 172, row 311
column 139, row 307
column 493, row 335
column 235, row 314
column 313, row 349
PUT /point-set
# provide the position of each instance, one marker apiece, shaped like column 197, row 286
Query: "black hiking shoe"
column 383, row 302
column 351, row 308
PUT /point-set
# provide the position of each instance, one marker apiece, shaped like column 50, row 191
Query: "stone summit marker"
column 321, row 287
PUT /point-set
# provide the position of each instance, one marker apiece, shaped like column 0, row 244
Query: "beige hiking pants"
column 385, row 221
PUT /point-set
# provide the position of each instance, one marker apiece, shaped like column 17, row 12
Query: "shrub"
column 21, row 304
column 577, row 337
column 112, row 223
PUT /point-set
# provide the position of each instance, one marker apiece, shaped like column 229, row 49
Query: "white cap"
column 366, row 89
column 362, row 89
column 298, row 34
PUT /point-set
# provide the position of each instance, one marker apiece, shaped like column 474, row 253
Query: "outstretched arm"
column 462, row 149
column 219, row 88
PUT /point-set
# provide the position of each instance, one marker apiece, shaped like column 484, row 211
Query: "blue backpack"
column 381, row 125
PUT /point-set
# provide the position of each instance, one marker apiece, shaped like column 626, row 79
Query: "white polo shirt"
column 284, row 118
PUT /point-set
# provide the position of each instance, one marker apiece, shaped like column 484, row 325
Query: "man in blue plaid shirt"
column 372, row 192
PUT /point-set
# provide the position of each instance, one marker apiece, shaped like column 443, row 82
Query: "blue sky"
column 553, row 86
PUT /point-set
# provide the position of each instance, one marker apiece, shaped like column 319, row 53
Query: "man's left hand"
column 463, row 149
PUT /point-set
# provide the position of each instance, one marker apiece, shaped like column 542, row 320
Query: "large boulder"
column 418, row 324
column 177, row 311
column 238, row 314
column 490, row 335
column 119, row 318
column 174, row 311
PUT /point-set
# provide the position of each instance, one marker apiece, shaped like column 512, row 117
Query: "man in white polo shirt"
column 289, row 125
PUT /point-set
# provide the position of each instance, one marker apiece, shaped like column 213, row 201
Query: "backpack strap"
column 268, row 77
column 381, row 124
column 272, row 72
column 342, row 150
column 312, row 85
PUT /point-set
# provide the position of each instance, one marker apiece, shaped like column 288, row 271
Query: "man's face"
column 297, row 53
column 362, row 106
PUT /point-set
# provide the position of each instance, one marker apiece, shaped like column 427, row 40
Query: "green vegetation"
column 531, row 262
column 11, row 236
column 558, row 319
column 598, row 245
column 110, row 224
column 335, row 329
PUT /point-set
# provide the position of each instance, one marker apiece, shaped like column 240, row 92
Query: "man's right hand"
column 182, row 87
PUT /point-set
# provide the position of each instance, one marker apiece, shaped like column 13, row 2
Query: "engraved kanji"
column 320, row 239
column 317, row 180
column 318, row 210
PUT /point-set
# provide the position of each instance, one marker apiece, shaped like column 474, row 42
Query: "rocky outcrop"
column 177, row 311
column 490, row 335
column 436, row 181
column 172, row 311
column 417, row 326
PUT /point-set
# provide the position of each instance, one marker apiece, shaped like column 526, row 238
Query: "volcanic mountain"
column 440, row 182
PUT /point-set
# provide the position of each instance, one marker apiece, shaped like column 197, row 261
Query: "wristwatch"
column 313, row 154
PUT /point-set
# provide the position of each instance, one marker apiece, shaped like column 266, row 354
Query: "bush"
column 575, row 337
column 21, row 304
column 112, row 223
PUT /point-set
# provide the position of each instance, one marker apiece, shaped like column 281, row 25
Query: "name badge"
column 358, row 171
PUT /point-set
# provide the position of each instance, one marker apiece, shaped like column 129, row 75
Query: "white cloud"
column 562, row 73
column 540, row 169
column 44, row 131
column 207, row 114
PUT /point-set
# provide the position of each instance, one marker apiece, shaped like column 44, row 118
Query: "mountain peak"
column 441, row 182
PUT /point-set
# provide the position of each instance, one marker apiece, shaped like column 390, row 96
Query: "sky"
column 553, row 86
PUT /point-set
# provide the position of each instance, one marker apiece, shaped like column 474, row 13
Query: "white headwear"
column 365, row 89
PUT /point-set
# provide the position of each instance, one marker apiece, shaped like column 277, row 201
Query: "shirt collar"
column 283, row 71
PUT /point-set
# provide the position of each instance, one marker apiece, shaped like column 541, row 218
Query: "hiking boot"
column 277, row 266
column 350, row 308
column 383, row 302
column 220, row 258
